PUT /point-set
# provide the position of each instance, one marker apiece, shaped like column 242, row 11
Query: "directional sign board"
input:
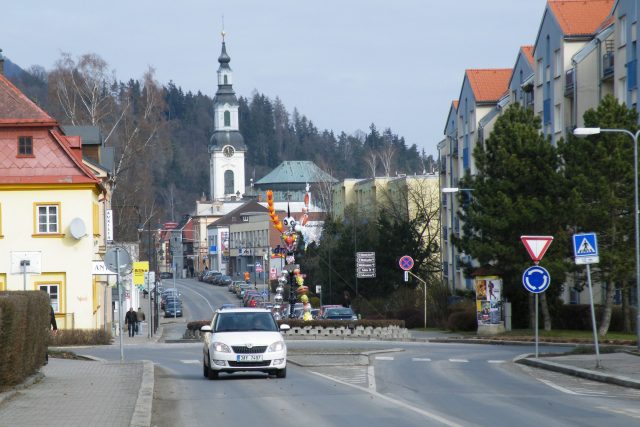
column 536, row 279
column 258, row 267
column 585, row 248
column 536, row 246
column 365, row 265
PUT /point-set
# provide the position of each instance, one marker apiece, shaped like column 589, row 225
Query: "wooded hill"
column 160, row 135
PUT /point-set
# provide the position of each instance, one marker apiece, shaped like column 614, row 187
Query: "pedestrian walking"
column 130, row 320
column 54, row 329
column 139, row 318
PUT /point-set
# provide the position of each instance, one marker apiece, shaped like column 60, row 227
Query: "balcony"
column 569, row 83
column 608, row 64
column 454, row 149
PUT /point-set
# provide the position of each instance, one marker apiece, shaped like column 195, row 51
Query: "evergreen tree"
column 518, row 190
column 600, row 172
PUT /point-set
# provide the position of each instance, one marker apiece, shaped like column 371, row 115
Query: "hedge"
column 197, row 324
column 24, row 326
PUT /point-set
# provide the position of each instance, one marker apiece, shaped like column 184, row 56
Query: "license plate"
column 249, row 358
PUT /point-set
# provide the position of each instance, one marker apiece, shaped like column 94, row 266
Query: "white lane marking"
column 191, row 362
column 421, row 359
column 497, row 361
column 634, row 413
column 427, row 414
column 559, row 388
column 384, row 357
column 200, row 295
column 458, row 361
column 372, row 378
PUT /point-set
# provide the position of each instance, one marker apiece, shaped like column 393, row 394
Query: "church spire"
column 224, row 58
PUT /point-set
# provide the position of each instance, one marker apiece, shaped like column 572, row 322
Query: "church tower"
column 226, row 147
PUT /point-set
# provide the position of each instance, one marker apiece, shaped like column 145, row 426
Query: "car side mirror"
column 284, row 327
column 205, row 328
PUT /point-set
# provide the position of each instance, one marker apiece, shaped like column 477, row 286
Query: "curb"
column 502, row 342
column 31, row 380
column 142, row 413
column 579, row 372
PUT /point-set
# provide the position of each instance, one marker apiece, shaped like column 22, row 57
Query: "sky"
column 343, row 63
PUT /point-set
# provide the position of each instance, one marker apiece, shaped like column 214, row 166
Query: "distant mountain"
column 11, row 70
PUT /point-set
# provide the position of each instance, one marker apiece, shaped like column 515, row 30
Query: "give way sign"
column 536, row 246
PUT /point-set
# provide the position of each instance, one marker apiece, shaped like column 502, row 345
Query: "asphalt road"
column 405, row 384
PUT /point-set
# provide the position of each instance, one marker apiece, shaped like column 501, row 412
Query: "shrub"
column 578, row 317
column 69, row 337
column 24, row 321
column 463, row 317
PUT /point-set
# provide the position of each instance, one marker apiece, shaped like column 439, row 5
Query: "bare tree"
column 371, row 159
column 386, row 154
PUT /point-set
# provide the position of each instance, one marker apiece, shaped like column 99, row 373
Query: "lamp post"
column 451, row 191
column 596, row 131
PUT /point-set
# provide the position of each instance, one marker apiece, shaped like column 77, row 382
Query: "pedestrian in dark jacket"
column 130, row 320
column 139, row 318
column 52, row 320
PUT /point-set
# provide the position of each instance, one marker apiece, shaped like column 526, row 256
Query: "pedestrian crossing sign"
column 585, row 248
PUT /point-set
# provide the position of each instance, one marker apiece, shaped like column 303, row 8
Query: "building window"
column 557, row 63
column 225, row 80
column 622, row 35
column 25, row 146
column 228, row 182
column 227, row 118
column 47, row 218
column 557, row 121
column 54, row 295
column 540, row 72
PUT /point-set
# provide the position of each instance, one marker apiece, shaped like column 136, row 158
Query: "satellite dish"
column 77, row 228
column 124, row 260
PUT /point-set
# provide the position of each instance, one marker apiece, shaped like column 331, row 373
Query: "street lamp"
column 596, row 131
column 452, row 190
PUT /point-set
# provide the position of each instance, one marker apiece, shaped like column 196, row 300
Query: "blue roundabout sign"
column 536, row 279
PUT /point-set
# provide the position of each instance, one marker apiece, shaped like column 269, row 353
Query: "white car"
column 244, row 339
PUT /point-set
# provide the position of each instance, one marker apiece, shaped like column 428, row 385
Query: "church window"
column 225, row 80
column 228, row 182
column 227, row 118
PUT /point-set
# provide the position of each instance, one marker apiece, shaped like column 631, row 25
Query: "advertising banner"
column 488, row 299
column 139, row 268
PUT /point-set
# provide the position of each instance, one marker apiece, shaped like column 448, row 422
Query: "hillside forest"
column 160, row 133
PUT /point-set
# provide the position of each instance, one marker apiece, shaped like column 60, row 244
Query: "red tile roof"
column 580, row 17
column 57, row 159
column 528, row 52
column 15, row 106
column 455, row 104
column 489, row 85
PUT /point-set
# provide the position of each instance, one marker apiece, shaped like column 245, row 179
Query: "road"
column 405, row 384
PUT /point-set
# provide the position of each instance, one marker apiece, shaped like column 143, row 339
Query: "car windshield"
column 339, row 312
column 246, row 321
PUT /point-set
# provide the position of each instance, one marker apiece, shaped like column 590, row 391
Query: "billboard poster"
column 488, row 299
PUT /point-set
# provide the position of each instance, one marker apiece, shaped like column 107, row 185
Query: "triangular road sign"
column 536, row 246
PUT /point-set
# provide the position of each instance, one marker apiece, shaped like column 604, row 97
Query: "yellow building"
column 49, row 212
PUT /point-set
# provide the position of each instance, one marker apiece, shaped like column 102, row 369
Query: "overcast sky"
column 342, row 63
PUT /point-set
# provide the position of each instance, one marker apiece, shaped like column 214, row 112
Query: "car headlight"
column 276, row 346
column 221, row 347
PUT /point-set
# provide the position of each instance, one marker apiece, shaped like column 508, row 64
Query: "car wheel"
column 213, row 375
column 281, row 373
column 205, row 368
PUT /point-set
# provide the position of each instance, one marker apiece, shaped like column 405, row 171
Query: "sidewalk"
column 82, row 393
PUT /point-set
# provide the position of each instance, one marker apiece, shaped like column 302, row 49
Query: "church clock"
column 228, row 151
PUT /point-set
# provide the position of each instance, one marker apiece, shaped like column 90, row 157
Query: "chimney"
column 1, row 63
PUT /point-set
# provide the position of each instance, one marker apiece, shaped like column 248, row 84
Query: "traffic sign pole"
column 536, row 280
column 585, row 249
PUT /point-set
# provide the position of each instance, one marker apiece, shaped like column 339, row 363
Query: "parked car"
column 226, row 306
column 243, row 288
column 173, row 309
column 212, row 277
column 247, row 294
column 166, row 275
column 224, row 280
column 253, row 300
column 340, row 313
column 244, row 340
